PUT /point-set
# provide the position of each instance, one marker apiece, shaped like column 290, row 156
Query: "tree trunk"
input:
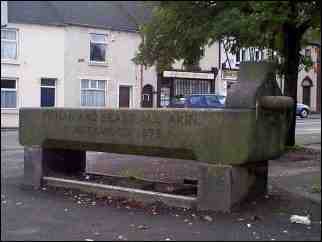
column 292, row 49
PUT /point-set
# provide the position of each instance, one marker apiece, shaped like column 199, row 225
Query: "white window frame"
column 93, row 89
column 49, row 87
column 11, row 89
column 15, row 41
column 98, row 42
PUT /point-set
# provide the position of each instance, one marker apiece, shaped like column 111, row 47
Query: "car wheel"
column 304, row 113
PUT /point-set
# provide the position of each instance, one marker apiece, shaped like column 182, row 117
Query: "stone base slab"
column 145, row 197
column 222, row 187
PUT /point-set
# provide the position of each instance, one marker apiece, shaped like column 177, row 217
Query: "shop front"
column 174, row 86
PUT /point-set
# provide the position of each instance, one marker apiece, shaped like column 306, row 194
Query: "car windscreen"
column 211, row 100
column 222, row 99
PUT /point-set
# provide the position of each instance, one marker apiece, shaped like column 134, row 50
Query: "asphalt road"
column 308, row 131
column 54, row 215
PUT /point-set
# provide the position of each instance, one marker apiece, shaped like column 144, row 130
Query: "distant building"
column 309, row 82
column 79, row 54
column 71, row 54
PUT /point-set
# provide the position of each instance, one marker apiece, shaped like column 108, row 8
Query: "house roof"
column 114, row 15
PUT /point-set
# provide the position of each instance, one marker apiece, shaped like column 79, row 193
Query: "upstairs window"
column 9, row 44
column 8, row 93
column 98, row 46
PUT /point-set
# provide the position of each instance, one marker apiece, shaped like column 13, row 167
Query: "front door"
column 307, row 95
column 124, row 97
column 147, row 96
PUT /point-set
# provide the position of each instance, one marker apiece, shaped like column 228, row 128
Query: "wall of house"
column 40, row 55
column 312, row 74
column 119, row 69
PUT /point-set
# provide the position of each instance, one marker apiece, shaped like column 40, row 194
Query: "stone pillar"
column 222, row 187
column 33, row 167
column 39, row 162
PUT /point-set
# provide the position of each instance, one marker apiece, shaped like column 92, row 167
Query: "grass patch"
column 316, row 188
column 294, row 148
column 132, row 173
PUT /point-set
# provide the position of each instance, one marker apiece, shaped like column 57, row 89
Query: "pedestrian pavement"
column 54, row 214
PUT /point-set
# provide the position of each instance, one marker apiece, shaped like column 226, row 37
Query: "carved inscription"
column 119, row 125
column 180, row 120
column 184, row 120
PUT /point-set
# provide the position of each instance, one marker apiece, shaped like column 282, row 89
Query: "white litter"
column 300, row 219
column 208, row 218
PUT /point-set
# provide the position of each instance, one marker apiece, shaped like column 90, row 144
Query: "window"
column 93, row 93
column 98, row 44
column 184, row 87
column 257, row 55
column 238, row 57
column 8, row 93
column 47, row 92
column 243, row 54
column 307, row 52
column 165, row 97
column 9, row 44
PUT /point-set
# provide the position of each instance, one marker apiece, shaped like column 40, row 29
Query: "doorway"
column 124, row 96
column 306, row 85
column 147, row 96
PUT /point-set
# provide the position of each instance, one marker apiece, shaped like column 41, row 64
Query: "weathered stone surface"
column 223, row 187
column 278, row 103
column 224, row 136
column 33, row 167
column 255, row 79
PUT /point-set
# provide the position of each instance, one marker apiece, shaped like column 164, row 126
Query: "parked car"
column 302, row 110
column 177, row 102
column 205, row 101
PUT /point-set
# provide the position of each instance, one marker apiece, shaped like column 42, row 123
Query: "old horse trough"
column 231, row 146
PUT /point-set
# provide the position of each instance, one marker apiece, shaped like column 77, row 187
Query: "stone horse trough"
column 231, row 146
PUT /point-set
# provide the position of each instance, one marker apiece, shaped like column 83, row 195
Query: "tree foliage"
column 180, row 30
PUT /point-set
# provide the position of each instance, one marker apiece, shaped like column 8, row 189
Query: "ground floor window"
column 8, row 93
column 165, row 97
column 93, row 93
column 47, row 92
column 185, row 87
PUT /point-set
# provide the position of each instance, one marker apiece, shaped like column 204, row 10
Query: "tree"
column 180, row 30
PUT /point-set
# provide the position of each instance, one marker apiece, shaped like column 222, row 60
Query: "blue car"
column 302, row 110
column 205, row 101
